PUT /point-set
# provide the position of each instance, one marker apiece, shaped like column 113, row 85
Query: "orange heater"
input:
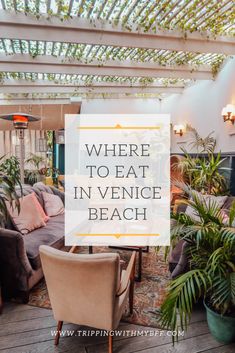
column 20, row 122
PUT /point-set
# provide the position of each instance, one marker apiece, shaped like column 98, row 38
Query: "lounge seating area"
column 152, row 83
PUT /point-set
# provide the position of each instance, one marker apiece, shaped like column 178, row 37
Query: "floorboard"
column 27, row 329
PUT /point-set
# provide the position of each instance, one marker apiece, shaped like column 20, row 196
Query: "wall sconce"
column 179, row 129
column 228, row 113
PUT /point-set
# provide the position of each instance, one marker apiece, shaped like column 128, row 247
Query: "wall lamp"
column 228, row 113
column 179, row 129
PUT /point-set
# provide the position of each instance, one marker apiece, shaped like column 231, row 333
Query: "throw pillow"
column 29, row 217
column 53, row 204
column 207, row 199
column 225, row 217
column 40, row 209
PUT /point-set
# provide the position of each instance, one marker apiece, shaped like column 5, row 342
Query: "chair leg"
column 131, row 296
column 1, row 301
column 138, row 279
column 24, row 296
column 110, row 343
column 57, row 337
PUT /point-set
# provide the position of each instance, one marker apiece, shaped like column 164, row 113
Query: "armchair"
column 87, row 289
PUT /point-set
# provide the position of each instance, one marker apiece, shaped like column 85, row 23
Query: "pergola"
column 55, row 49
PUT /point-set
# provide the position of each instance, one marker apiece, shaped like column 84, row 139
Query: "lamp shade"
column 20, row 120
column 23, row 116
column 230, row 108
column 179, row 129
column 224, row 111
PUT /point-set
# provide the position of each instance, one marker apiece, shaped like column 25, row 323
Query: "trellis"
column 217, row 16
column 145, row 47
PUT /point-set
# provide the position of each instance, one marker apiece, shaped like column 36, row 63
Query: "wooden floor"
column 26, row 329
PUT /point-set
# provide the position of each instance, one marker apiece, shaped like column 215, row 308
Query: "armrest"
column 179, row 206
column 129, row 275
column 12, row 252
column 183, row 261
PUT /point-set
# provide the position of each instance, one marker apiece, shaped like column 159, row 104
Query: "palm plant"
column 204, row 173
column 211, row 255
column 202, row 145
column 36, row 161
column 38, row 165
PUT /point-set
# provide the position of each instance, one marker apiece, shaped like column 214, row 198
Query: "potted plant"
column 211, row 276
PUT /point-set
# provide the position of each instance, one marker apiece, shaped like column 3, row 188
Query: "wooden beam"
column 78, row 89
column 81, row 83
column 50, row 64
column 79, row 30
column 59, row 100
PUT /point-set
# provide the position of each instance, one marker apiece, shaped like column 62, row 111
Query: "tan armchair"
column 87, row 289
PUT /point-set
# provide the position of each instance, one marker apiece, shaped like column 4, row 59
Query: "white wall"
column 120, row 106
column 200, row 106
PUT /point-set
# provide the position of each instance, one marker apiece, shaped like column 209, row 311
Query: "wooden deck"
column 26, row 329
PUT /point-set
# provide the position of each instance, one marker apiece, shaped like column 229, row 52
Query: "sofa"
column 20, row 265
column 178, row 261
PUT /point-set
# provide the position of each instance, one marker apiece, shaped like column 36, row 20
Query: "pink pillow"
column 30, row 217
column 225, row 217
column 40, row 209
column 53, row 204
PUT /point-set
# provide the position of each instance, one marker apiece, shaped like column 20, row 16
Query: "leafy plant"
column 36, row 161
column 8, row 193
column 204, row 173
column 40, row 169
column 10, row 166
column 38, row 166
column 203, row 145
column 211, row 255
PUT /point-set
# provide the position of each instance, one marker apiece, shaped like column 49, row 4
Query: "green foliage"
column 8, row 184
column 204, row 173
column 211, row 255
column 36, row 161
column 202, row 145
column 37, row 166
column 10, row 166
column 49, row 137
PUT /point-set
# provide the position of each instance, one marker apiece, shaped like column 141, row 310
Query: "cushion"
column 52, row 234
column 228, row 203
column 42, row 187
column 53, row 204
column 208, row 199
column 30, row 216
column 28, row 189
column 40, row 209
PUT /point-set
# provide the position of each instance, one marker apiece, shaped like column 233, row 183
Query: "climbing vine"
column 189, row 16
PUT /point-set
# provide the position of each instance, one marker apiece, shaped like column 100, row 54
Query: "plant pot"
column 221, row 327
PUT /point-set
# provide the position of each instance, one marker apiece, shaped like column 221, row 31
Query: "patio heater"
column 20, row 122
